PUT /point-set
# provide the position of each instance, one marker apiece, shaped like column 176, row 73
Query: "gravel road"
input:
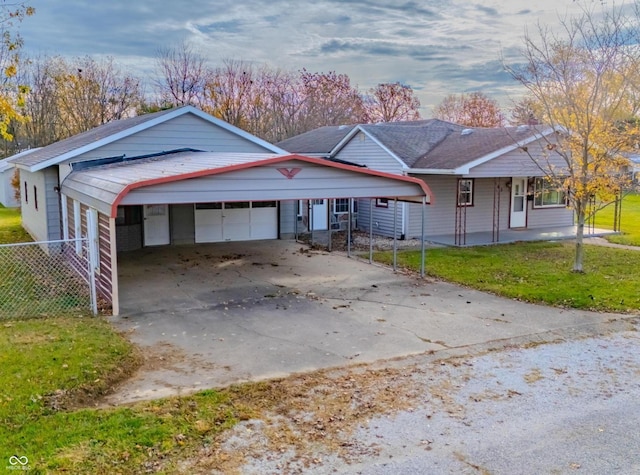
column 569, row 407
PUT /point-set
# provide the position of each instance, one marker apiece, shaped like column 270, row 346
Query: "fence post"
column 93, row 256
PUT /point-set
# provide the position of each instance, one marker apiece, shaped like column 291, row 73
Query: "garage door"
column 238, row 221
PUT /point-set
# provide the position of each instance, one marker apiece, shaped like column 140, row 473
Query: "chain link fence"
column 45, row 279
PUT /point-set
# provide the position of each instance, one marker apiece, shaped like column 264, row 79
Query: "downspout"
column 404, row 209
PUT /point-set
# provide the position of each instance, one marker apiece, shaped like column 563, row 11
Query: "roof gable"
column 474, row 146
column 113, row 131
column 432, row 146
column 320, row 141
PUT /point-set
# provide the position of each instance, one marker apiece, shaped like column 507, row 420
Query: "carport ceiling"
column 192, row 176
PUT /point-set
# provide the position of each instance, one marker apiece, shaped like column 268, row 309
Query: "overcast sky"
column 438, row 47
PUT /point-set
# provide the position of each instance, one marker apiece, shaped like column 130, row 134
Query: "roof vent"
column 466, row 132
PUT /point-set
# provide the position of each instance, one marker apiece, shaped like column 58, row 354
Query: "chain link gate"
column 46, row 279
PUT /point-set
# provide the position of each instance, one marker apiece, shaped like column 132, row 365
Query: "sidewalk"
column 598, row 241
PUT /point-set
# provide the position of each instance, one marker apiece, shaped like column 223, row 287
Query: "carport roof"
column 104, row 187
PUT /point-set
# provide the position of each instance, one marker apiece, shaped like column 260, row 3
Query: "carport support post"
column 296, row 208
column 395, row 235
column 349, row 231
column 371, row 231
column 424, row 208
column 329, row 221
column 310, row 214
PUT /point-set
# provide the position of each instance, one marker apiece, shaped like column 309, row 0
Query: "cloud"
column 436, row 46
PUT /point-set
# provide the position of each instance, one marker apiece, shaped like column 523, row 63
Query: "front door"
column 518, row 202
column 319, row 215
column 156, row 225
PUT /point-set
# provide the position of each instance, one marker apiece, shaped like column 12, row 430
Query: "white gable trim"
column 7, row 163
column 353, row 133
column 146, row 125
column 466, row 168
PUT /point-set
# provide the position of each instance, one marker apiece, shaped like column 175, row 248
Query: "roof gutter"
column 434, row 171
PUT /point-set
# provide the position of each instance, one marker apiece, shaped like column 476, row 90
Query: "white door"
column 518, row 202
column 156, row 225
column 319, row 215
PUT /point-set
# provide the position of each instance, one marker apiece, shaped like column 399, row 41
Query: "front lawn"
column 11, row 230
column 51, row 367
column 53, row 372
column 538, row 272
column 629, row 221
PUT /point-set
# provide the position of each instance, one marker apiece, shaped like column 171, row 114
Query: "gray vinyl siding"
column 520, row 163
column 186, row 131
column 440, row 216
column 364, row 151
column 288, row 216
column 549, row 217
column 383, row 218
column 183, row 227
column 51, row 200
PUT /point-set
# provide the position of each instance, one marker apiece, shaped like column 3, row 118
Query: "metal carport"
column 186, row 177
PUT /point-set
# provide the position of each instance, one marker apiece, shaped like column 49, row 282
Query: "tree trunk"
column 577, row 263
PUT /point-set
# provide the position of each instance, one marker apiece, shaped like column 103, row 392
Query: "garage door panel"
column 240, row 221
column 264, row 223
column 208, row 225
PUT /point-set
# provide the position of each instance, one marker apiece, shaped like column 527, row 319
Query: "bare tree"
column 90, row 93
column 276, row 115
column 526, row 111
column 43, row 126
column 328, row 99
column 182, row 74
column 585, row 81
column 231, row 91
column 473, row 110
column 389, row 102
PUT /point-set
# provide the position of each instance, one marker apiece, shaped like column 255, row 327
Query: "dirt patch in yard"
column 296, row 418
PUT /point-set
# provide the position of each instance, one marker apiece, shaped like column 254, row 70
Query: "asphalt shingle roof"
column 318, row 141
column 86, row 138
column 423, row 144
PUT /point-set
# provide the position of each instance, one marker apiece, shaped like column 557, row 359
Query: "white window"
column 548, row 195
column 341, row 206
column 465, row 192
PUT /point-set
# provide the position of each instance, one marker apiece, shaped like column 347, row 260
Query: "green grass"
column 52, row 366
column 50, row 290
column 629, row 221
column 11, row 230
column 54, row 369
column 538, row 272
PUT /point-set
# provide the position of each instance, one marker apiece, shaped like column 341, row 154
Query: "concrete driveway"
column 211, row 315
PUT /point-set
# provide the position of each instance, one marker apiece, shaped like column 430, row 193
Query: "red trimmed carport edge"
column 259, row 163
